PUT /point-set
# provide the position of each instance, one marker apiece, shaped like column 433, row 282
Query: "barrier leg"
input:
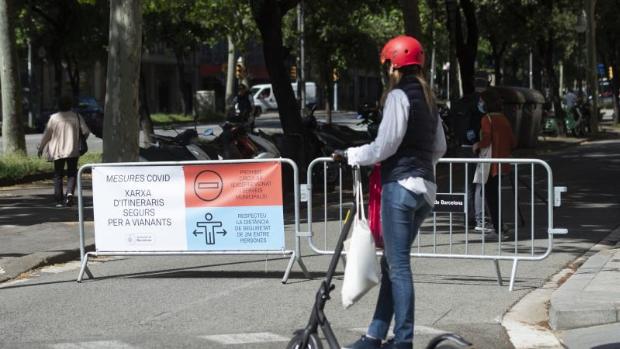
column 513, row 275
column 498, row 272
column 84, row 268
column 289, row 267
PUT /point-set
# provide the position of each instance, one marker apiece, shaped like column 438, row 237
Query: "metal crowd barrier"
column 295, row 254
column 447, row 233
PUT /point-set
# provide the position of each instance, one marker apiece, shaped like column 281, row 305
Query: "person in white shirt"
column 409, row 143
column 570, row 100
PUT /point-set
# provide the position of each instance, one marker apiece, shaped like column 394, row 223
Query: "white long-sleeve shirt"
column 389, row 137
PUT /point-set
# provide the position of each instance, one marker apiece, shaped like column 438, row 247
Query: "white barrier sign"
column 188, row 208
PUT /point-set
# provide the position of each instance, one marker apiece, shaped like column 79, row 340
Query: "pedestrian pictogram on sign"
column 207, row 227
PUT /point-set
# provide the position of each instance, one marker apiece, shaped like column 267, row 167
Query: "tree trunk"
column 592, row 62
column 13, row 140
column 329, row 97
column 498, row 55
column 452, row 15
column 182, row 83
column 466, row 50
column 121, row 131
column 73, row 70
column 268, row 16
column 230, row 74
column 497, row 69
column 615, row 87
column 145, row 112
column 431, row 46
column 411, row 16
column 547, row 49
column 57, row 79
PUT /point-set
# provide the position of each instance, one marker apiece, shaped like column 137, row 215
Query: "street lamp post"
column 30, row 87
column 446, row 68
column 41, row 53
column 580, row 28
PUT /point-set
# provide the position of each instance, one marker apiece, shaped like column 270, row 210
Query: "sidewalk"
column 39, row 245
column 585, row 310
column 33, row 232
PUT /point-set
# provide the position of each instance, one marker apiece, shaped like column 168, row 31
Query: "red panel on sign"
column 225, row 185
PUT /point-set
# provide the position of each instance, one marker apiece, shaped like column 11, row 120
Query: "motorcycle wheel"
column 313, row 341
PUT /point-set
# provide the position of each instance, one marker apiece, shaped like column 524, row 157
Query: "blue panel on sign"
column 243, row 228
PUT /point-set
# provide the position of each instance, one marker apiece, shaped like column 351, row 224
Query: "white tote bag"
column 362, row 270
column 482, row 169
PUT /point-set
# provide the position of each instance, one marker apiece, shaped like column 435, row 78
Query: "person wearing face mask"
column 467, row 112
column 496, row 132
column 409, row 142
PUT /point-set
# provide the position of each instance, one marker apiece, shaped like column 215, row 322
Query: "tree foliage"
column 227, row 18
column 344, row 36
column 74, row 34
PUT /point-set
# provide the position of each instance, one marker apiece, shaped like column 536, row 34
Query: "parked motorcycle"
column 174, row 148
column 235, row 142
column 576, row 121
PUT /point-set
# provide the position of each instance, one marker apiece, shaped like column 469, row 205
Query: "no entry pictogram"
column 208, row 185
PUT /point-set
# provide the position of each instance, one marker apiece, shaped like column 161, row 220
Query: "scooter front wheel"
column 313, row 341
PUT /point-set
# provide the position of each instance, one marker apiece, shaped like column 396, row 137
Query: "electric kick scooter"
column 308, row 337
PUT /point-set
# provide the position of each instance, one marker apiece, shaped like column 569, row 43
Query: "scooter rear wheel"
column 313, row 341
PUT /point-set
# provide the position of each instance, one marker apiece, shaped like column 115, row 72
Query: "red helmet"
column 403, row 51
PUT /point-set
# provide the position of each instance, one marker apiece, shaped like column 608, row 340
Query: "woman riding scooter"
column 409, row 142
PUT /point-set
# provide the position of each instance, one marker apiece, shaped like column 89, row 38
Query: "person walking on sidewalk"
column 495, row 132
column 409, row 142
column 60, row 144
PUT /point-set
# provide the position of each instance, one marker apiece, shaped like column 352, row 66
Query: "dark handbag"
column 82, row 145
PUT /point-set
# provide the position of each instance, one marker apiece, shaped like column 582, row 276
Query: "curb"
column 21, row 265
column 527, row 322
column 575, row 306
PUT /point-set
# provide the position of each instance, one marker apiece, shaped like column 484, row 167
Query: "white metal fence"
column 526, row 197
column 526, row 200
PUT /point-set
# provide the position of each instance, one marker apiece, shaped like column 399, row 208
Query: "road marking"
column 246, row 338
column 419, row 330
column 94, row 345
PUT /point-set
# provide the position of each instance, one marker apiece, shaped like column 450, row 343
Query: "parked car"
column 90, row 110
column 92, row 113
column 265, row 99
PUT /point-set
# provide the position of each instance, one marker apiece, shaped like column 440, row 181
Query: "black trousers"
column 59, row 173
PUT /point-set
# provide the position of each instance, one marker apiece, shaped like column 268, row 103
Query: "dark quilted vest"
column 414, row 155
